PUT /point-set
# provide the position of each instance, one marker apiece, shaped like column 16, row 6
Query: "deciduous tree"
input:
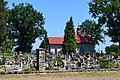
column 3, row 19
column 44, row 41
column 90, row 27
column 112, row 48
column 25, row 25
column 108, row 14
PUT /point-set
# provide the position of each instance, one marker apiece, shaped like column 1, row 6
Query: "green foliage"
column 42, row 45
column 28, row 69
column 107, row 49
column 113, row 65
column 25, row 24
column 8, row 54
column 87, row 53
column 108, row 14
column 7, row 45
column 3, row 19
column 4, row 42
column 104, row 63
column 59, row 60
column 112, row 48
column 112, row 53
column 90, row 27
column 69, row 44
column 44, row 41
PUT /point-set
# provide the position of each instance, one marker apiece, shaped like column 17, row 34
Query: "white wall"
column 52, row 48
column 87, row 47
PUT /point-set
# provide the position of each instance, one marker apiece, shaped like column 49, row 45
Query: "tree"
column 44, row 41
column 42, row 45
column 69, row 44
column 90, row 27
column 25, row 24
column 3, row 19
column 108, row 14
column 7, row 45
column 112, row 48
column 107, row 49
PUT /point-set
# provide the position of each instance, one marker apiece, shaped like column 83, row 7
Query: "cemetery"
column 60, row 40
column 21, row 26
column 41, row 61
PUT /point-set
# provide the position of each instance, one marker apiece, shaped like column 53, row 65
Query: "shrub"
column 8, row 54
column 60, row 63
column 104, row 63
column 28, row 69
column 112, row 65
column 87, row 53
column 48, row 68
column 33, row 69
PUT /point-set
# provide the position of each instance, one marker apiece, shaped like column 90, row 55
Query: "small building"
column 84, row 43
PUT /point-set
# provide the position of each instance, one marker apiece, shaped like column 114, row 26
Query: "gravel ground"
column 65, row 76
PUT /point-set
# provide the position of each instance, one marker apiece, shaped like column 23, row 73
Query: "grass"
column 67, row 74
column 2, row 70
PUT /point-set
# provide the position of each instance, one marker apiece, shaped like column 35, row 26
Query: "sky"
column 57, row 13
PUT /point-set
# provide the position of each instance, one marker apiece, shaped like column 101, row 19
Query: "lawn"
column 111, row 75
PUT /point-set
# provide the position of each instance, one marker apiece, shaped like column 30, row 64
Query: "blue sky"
column 58, row 12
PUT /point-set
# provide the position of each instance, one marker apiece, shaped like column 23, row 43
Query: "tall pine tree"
column 69, row 44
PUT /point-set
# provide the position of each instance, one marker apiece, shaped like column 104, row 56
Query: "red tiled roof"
column 82, row 39
column 55, row 40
